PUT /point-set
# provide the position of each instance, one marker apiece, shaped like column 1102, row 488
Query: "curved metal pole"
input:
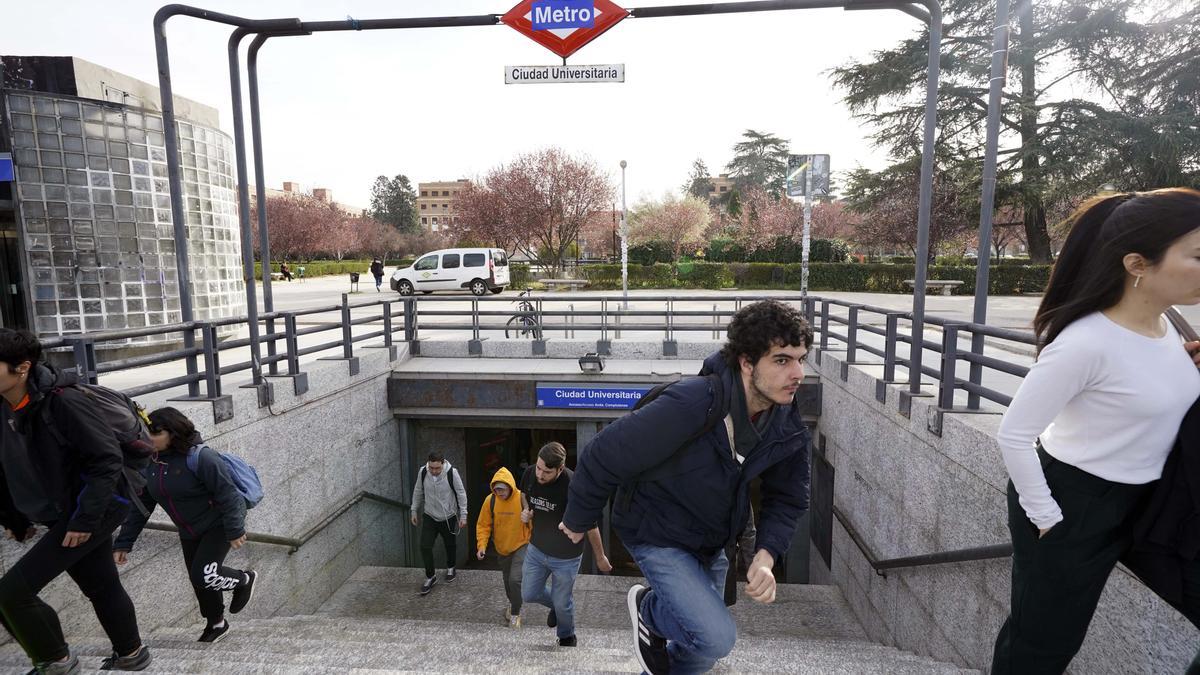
column 260, row 189
column 174, row 171
column 926, row 196
column 987, row 198
column 239, row 146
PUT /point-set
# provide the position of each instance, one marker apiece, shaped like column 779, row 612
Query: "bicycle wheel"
column 517, row 327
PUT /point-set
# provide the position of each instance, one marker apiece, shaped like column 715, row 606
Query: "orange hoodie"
column 510, row 533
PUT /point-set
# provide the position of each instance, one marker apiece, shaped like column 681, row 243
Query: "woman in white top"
column 1089, row 429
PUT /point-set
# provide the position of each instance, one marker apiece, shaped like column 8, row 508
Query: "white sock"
column 219, row 624
column 449, row 570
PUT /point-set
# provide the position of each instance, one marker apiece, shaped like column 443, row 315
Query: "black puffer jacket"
column 195, row 501
column 76, row 471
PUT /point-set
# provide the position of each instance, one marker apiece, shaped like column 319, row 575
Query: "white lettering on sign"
column 564, row 74
column 545, row 14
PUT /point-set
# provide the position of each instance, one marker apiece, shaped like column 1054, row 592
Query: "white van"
column 478, row 269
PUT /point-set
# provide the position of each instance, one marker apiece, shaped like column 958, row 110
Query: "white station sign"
column 614, row 72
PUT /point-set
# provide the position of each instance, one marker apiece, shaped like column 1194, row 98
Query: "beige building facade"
column 436, row 203
column 293, row 189
column 721, row 185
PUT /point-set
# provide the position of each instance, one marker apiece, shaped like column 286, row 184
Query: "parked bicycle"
column 524, row 324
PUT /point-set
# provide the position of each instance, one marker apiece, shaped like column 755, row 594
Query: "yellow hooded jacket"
column 510, row 533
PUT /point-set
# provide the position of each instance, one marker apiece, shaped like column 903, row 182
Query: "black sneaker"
column 139, row 660
column 451, row 575
column 551, row 619
column 212, row 634
column 68, row 667
column 243, row 593
column 649, row 647
column 428, row 585
column 567, row 641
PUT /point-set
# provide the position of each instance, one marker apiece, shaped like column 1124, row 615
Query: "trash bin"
column 354, row 277
column 300, row 272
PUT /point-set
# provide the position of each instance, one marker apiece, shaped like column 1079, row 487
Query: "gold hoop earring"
column 1137, row 280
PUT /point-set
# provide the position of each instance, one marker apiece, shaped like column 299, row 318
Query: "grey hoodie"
column 433, row 496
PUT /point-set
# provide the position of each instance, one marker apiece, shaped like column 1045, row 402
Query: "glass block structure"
column 92, row 213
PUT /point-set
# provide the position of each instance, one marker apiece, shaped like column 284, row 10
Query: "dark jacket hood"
column 47, row 378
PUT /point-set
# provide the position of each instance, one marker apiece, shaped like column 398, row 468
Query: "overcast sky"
column 342, row 108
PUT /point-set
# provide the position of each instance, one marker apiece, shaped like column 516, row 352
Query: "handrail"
column 294, row 543
column 993, row 552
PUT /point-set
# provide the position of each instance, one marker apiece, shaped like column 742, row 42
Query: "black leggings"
column 205, row 558
column 431, row 528
column 34, row 624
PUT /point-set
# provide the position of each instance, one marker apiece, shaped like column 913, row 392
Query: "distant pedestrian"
column 61, row 466
column 285, row 271
column 377, row 272
column 207, row 509
column 440, row 508
column 552, row 558
column 500, row 521
column 1091, row 426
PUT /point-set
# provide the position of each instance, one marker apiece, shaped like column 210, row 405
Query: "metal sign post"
column 807, row 175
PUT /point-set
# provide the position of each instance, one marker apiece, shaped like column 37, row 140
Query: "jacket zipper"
column 171, row 502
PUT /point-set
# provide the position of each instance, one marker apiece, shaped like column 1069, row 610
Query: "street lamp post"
column 624, row 245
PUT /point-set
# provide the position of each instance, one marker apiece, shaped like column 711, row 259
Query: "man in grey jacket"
column 440, row 502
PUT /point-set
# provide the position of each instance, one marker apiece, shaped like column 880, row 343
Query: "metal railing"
column 294, row 543
column 858, row 328
column 993, row 552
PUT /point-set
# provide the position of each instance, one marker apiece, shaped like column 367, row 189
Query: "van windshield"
column 499, row 258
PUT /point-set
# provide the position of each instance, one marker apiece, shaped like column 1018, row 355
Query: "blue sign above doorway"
column 593, row 396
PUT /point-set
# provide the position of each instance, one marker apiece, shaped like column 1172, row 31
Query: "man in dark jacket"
column 683, row 498
column 68, row 479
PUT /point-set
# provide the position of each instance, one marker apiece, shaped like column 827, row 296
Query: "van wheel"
column 497, row 291
column 406, row 287
column 478, row 288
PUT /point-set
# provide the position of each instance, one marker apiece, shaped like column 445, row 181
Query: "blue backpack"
column 245, row 478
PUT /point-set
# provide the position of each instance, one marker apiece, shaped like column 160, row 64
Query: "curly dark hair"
column 759, row 326
column 19, row 346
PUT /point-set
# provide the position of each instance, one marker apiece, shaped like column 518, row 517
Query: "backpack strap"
column 1181, row 325
column 716, row 415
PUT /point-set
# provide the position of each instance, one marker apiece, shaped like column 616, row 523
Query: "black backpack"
column 129, row 425
column 716, row 415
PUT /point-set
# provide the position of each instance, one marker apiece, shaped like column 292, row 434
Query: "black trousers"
column 512, row 569
column 430, row 529
column 205, row 558
column 34, row 624
column 1057, row 579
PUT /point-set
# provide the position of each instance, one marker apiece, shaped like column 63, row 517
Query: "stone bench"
column 276, row 276
column 944, row 285
column 570, row 284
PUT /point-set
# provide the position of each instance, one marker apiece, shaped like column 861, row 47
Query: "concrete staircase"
column 377, row 623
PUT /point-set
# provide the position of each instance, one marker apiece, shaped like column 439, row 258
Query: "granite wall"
column 313, row 452
column 908, row 492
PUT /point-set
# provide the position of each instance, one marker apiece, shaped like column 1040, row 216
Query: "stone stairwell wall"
column 312, row 452
column 908, row 492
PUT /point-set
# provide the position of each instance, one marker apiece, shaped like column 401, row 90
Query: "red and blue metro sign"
column 563, row 26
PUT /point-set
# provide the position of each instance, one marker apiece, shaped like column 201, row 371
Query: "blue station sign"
column 593, row 396
column 563, row 14
column 6, row 167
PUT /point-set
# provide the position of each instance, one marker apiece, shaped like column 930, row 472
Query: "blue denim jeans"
column 686, row 605
column 550, row 582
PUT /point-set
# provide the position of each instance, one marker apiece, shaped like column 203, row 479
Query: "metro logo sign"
column 563, row 14
column 563, row 26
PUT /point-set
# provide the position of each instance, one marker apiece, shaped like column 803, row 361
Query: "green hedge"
column 875, row 278
column 519, row 276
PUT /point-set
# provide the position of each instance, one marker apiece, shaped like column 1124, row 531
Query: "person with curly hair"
column 681, row 466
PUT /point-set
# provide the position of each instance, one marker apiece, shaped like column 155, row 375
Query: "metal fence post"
column 824, row 325
column 852, row 334
column 387, row 324
column 570, row 331
column 949, row 361
column 272, row 348
column 290, row 339
column 212, row 361
column 84, row 352
column 716, row 328
column 670, row 318
column 347, row 335
column 891, row 332
column 810, row 307
column 475, row 319
column 410, row 319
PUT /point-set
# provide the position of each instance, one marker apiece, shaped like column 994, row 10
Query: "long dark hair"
column 1089, row 275
column 175, row 423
